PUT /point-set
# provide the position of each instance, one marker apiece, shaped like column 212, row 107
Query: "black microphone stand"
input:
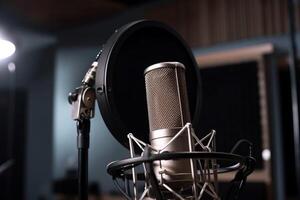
column 82, row 100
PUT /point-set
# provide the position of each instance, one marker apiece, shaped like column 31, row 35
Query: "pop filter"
column 120, row 83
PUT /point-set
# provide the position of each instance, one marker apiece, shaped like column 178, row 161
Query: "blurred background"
column 243, row 51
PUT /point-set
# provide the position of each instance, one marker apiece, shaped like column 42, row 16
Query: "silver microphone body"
column 168, row 112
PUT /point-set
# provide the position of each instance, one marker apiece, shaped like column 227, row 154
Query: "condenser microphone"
column 168, row 166
column 168, row 112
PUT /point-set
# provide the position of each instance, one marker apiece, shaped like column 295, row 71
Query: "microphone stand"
column 82, row 100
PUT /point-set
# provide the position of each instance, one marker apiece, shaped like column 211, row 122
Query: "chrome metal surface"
column 167, row 98
column 202, row 182
column 168, row 112
column 162, row 65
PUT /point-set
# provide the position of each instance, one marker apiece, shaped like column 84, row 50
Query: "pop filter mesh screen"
column 134, row 51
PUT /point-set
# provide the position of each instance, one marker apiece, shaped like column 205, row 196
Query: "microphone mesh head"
column 167, row 98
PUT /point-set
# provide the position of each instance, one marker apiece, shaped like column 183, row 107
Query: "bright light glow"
column 7, row 49
column 11, row 67
column 266, row 154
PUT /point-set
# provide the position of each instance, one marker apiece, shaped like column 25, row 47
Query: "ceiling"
column 54, row 15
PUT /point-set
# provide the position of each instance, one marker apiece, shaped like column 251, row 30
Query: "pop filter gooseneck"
column 120, row 83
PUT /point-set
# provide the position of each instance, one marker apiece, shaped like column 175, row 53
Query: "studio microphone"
column 174, row 163
column 168, row 112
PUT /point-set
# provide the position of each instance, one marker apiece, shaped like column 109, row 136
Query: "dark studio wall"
column 212, row 22
column 13, row 133
column 33, row 86
column 40, row 125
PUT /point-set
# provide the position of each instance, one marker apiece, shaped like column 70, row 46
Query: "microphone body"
column 168, row 112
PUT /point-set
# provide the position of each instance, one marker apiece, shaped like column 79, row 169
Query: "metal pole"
column 293, row 82
column 134, row 178
column 82, row 100
column 83, row 138
column 193, row 167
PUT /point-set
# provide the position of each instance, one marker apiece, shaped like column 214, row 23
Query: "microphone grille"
column 167, row 98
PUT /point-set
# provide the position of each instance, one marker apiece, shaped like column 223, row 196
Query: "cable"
column 237, row 145
column 241, row 176
column 228, row 194
column 116, row 183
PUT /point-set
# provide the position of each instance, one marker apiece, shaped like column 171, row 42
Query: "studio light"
column 7, row 48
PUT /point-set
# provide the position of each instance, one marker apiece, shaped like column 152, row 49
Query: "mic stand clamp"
column 82, row 100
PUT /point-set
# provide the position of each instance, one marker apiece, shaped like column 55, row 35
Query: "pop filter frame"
column 120, row 84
